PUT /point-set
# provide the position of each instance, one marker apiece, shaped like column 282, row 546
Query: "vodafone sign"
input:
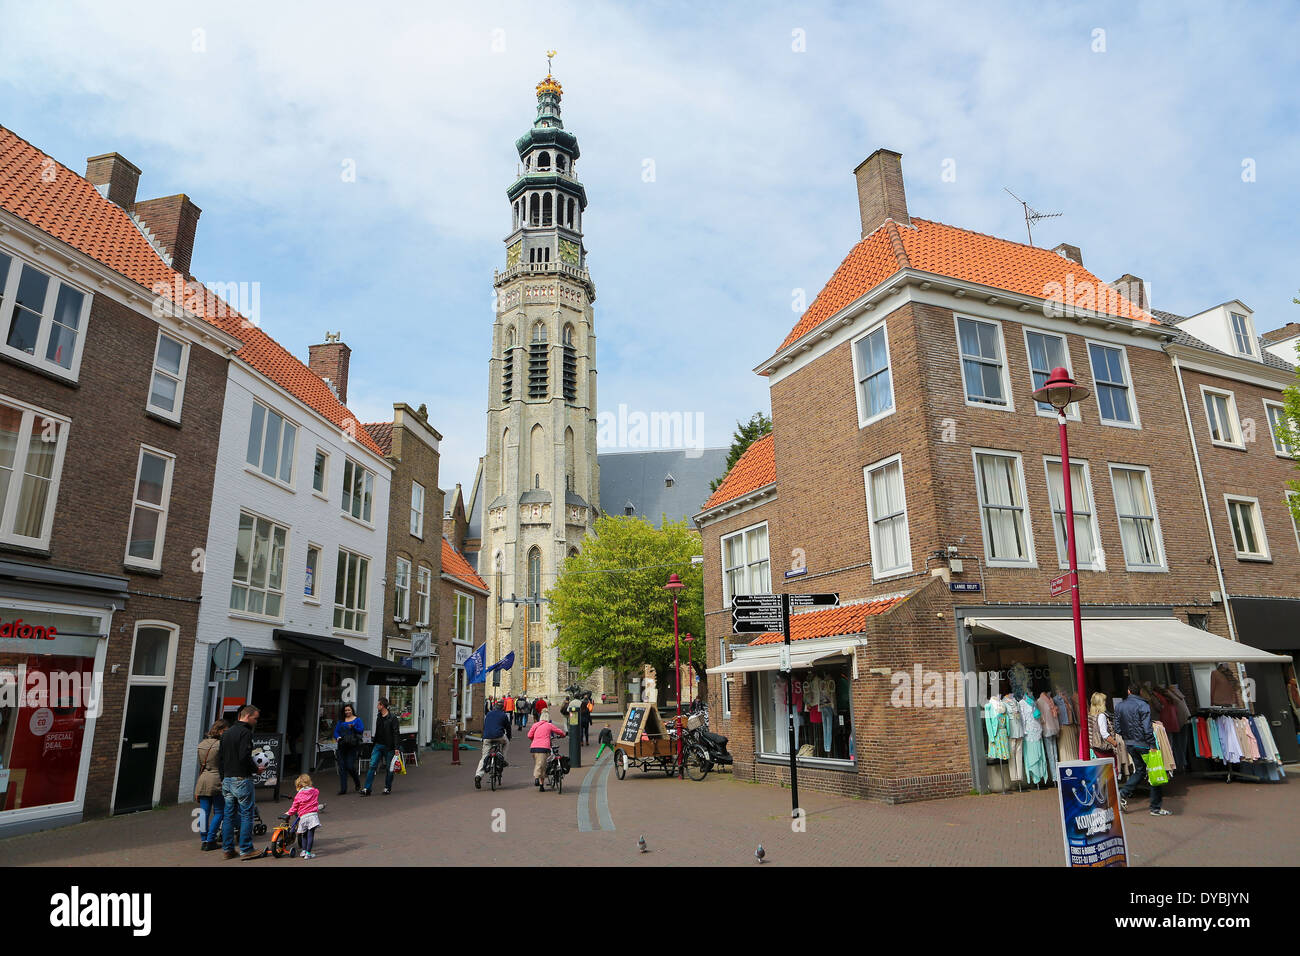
column 18, row 631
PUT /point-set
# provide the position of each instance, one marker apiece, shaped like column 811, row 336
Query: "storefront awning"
column 1128, row 640
column 768, row 658
column 381, row 671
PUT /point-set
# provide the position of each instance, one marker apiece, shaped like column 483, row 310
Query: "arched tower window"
column 505, row 445
column 537, row 458
column 559, row 162
column 535, row 210
column 544, row 160
column 498, row 567
column 546, row 210
column 570, row 366
column 538, row 371
column 573, row 552
column 570, row 463
column 534, row 594
column 570, row 213
column 508, row 366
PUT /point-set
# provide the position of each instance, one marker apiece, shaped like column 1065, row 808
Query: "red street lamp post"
column 690, row 667
column 672, row 587
column 1060, row 391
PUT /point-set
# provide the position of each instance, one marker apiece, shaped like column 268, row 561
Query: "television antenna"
column 1032, row 215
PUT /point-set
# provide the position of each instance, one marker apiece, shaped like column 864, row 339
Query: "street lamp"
column 1060, row 391
column 690, row 667
column 672, row 587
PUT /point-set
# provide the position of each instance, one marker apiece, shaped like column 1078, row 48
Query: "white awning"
column 767, row 657
column 1146, row 640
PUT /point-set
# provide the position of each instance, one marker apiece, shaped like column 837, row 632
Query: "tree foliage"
column 609, row 604
column 744, row 436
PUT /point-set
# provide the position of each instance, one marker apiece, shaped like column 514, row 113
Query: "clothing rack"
column 1210, row 713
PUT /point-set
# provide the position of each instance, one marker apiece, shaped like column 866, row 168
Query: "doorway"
column 144, row 718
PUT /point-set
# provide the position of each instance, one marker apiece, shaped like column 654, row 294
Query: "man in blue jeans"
column 1133, row 723
column 235, row 764
column 386, row 740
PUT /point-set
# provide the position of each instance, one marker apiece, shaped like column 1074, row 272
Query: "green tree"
column 1289, row 428
column 744, row 436
column 609, row 604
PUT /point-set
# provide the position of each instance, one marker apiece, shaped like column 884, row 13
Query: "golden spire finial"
column 550, row 55
column 550, row 84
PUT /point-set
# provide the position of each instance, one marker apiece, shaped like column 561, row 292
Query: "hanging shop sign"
column 1062, row 583
column 1092, row 825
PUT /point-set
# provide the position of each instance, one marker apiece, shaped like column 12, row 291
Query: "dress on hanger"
column 995, row 725
column 1051, row 730
column 1016, row 735
column 1035, row 759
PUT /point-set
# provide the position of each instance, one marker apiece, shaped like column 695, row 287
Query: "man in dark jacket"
column 496, row 730
column 386, row 741
column 235, row 765
column 1133, row 723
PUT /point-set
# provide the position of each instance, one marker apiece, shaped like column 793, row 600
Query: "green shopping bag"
column 1157, row 775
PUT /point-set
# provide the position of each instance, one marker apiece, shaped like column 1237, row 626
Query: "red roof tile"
column 756, row 468
column 832, row 621
column 382, row 433
column 63, row 204
column 454, row 564
column 961, row 254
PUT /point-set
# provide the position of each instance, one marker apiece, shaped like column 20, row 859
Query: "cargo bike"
column 647, row 742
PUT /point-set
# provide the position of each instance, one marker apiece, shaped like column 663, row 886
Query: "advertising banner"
column 1092, row 826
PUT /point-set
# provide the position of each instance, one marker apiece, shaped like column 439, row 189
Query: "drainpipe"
column 1209, row 520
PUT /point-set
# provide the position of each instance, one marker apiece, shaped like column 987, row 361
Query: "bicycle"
column 555, row 769
column 494, row 766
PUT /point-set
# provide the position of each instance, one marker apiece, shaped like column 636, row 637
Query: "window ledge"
column 810, row 763
column 1130, row 425
column 1255, row 558
column 1227, row 444
column 315, row 602
column 319, row 494
column 365, row 524
column 34, row 552
column 257, row 473
column 32, row 366
column 241, row 616
column 144, row 569
column 161, row 417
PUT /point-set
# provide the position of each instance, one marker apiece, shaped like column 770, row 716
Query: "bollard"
column 455, row 750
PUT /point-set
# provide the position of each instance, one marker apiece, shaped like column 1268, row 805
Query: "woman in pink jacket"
column 540, row 733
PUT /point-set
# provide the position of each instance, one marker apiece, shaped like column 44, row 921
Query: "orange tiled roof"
column 454, row 564
column 382, row 433
column 65, row 205
column 832, row 621
column 756, row 468
column 960, row 254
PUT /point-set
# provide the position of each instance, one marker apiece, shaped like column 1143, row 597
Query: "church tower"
column 540, row 479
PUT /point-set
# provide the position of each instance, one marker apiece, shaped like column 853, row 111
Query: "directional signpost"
column 770, row 614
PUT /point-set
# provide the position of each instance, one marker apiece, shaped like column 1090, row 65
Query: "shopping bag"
column 397, row 765
column 1157, row 776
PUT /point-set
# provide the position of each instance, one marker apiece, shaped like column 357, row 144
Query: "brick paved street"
column 435, row 816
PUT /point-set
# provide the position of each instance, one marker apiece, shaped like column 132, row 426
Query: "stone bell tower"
column 540, row 480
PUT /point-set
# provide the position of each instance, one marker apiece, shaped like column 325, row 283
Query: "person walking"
column 1133, row 720
column 348, row 733
column 521, row 712
column 387, row 732
column 584, row 719
column 235, row 760
column 540, row 733
column 496, row 730
column 539, row 705
column 207, row 790
column 508, row 704
column 306, row 808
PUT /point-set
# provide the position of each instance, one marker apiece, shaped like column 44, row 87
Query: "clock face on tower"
column 513, row 253
column 569, row 252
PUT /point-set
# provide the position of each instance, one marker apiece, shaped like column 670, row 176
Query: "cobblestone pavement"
column 435, row 816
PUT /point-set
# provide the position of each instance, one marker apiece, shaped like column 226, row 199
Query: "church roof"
column 640, row 478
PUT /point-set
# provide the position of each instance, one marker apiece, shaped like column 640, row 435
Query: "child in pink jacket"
column 306, row 807
column 540, row 734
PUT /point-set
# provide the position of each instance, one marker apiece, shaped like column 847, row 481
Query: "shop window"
column 424, row 579
column 1085, row 517
column 350, row 592
column 823, row 710
column 40, row 736
column 745, row 565
column 983, row 366
column 258, row 586
column 358, row 490
column 32, row 443
column 417, row 509
column 1247, row 528
column 153, row 488
column 402, row 591
column 44, row 319
column 1139, row 529
column 1114, row 392
column 271, row 440
column 875, row 381
column 167, row 388
column 891, row 547
column 1001, row 485
column 312, row 577
column 1221, row 417
column 402, row 699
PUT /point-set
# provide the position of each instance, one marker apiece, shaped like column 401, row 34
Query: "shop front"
column 1273, row 624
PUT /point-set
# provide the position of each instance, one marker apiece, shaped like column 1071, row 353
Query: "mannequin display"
column 826, row 703
column 1223, row 687
column 780, row 715
column 1051, row 730
column 812, row 694
column 1016, row 735
column 1183, row 736
column 996, row 726
column 1035, row 760
column 1067, row 743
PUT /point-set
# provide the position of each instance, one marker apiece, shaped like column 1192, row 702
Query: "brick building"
column 910, row 471
column 462, row 627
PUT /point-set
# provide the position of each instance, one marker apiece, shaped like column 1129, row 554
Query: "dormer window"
column 1243, row 337
column 669, row 481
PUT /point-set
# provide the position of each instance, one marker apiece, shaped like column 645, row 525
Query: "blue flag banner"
column 504, row 664
column 476, row 666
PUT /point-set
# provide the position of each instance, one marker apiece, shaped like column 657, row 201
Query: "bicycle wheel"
column 557, row 782
column 697, row 764
column 494, row 778
column 620, row 764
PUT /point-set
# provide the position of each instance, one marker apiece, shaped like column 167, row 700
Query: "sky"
column 718, row 146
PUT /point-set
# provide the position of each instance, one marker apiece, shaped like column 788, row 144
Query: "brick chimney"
column 329, row 361
column 172, row 220
column 880, row 190
column 1133, row 289
column 115, row 176
column 1067, row 251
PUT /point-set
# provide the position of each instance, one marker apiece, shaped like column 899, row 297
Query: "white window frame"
column 402, row 595
column 463, row 600
column 417, row 511
column 324, row 491
column 361, row 608
column 248, row 584
column 256, row 467
column 1063, row 556
column 1280, row 448
column 367, row 485
column 175, row 414
column 1072, row 410
column 1294, row 523
column 424, row 594
column 136, row 504
column 1262, row 538
column 1247, row 330
column 314, row 597
column 1030, row 560
column 1234, row 420
column 863, row 418
column 726, row 679
column 1010, row 404
column 1128, row 384
column 9, row 506
column 1112, row 467
column 8, row 301
column 747, row 564
column 877, row 573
